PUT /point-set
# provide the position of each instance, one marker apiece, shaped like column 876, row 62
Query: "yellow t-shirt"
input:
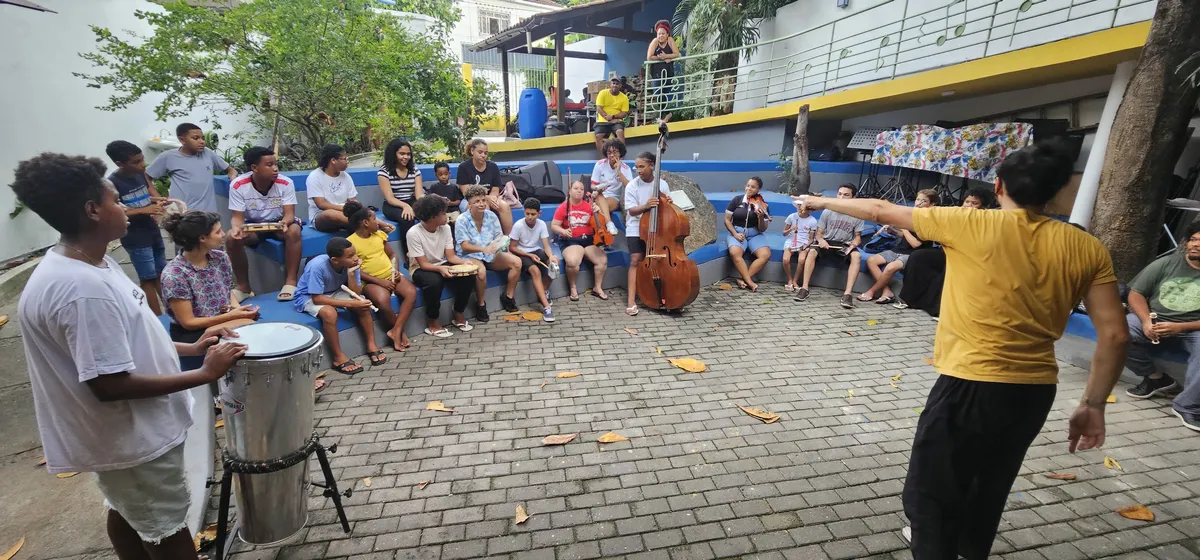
column 612, row 104
column 374, row 258
column 1012, row 279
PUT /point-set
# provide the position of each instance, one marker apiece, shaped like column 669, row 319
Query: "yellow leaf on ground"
column 567, row 374
column 659, row 350
column 512, row 318
column 872, row 322
column 66, row 474
column 1139, row 512
column 893, row 384
column 1060, row 476
column 522, row 516
column 220, row 424
column 1112, row 464
column 3, row 320
column 543, row 385
column 560, row 439
column 421, row 485
column 438, row 406
column 42, row 461
column 897, row 377
column 1111, row 399
column 767, row 301
column 689, row 364
column 14, row 550
column 766, row 417
column 322, row 374
column 927, row 360
column 724, row 286
column 630, row 331
column 919, row 409
column 849, row 393
column 367, row 482
column 205, row 536
column 612, row 437
column 532, row 316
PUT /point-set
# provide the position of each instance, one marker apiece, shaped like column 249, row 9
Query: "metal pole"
column 1089, row 184
column 560, row 59
column 504, row 85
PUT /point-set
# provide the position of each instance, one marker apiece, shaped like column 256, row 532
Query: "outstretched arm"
column 869, row 209
column 1086, row 427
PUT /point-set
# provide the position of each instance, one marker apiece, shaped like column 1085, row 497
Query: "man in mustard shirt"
column 612, row 106
column 1012, row 278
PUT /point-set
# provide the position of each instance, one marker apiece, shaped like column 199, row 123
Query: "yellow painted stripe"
column 1088, row 55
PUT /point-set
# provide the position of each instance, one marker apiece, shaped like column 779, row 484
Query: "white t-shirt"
column 259, row 208
column 803, row 227
column 432, row 246
column 335, row 190
column 80, row 322
column 604, row 176
column 637, row 192
column 529, row 239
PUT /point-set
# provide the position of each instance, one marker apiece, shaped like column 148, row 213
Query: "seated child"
column 799, row 230
column 531, row 243
column 455, row 203
column 143, row 242
column 478, row 236
column 430, row 253
column 380, row 277
column 263, row 196
column 320, row 294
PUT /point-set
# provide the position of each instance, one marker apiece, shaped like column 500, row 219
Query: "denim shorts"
column 889, row 256
column 148, row 262
column 754, row 239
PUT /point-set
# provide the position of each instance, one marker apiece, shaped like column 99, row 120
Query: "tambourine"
column 466, row 269
column 262, row 228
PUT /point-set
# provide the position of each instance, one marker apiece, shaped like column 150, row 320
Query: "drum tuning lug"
column 332, row 448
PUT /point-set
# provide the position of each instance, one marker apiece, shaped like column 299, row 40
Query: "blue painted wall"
column 626, row 58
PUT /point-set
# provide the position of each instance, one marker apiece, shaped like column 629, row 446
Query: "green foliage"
column 717, row 25
column 316, row 71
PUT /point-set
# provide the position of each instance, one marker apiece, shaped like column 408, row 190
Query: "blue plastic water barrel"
column 532, row 108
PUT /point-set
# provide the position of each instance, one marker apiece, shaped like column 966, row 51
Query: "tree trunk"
column 1148, row 135
column 801, row 178
column 725, row 82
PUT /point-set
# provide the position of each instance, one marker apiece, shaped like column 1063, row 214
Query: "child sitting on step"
column 380, row 273
column 320, row 293
column 531, row 243
column 799, row 231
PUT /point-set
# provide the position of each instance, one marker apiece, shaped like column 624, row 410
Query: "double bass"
column 667, row 279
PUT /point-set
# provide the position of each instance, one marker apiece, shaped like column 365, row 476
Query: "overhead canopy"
column 27, row 4
column 586, row 19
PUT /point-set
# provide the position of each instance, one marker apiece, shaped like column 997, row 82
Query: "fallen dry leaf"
column 567, row 374
column 532, row 316
column 3, row 320
column 1111, row 399
column 220, row 424
column 512, row 318
column 66, row 474
column 522, row 516
column 851, row 333
column 872, row 322
column 724, row 286
column 689, row 364
column 612, row 437
column 14, row 550
column 560, row 439
column 421, row 485
column 41, row 462
column 659, row 350
column 205, row 536
column 927, row 360
column 322, row 374
column 919, row 409
column 767, row 301
column 367, row 482
column 543, row 385
column 1060, row 476
column 849, row 393
column 1139, row 512
column 438, row 406
column 1112, row 464
column 630, row 331
column 893, row 384
column 766, row 417
column 897, row 377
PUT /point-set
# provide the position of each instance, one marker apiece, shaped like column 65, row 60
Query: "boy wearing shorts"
column 263, row 196
column 799, row 230
column 638, row 201
column 143, row 242
column 612, row 106
column 531, row 243
column 320, row 294
column 838, row 238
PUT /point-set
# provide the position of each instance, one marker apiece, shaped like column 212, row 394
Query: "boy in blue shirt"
column 319, row 293
column 143, row 242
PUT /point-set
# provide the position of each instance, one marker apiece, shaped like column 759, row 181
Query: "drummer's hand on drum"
column 244, row 312
column 236, row 233
column 445, row 271
column 222, row 357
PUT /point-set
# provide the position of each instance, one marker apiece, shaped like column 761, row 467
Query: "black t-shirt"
column 468, row 175
column 449, row 191
column 135, row 192
column 740, row 211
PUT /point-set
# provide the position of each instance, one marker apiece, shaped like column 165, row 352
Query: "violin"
column 667, row 279
column 599, row 223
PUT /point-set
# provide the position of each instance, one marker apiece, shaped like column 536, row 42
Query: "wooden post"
column 560, row 40
column 801, row 178
column 504, row 85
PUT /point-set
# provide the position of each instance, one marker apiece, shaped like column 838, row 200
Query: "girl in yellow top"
column 379, row 277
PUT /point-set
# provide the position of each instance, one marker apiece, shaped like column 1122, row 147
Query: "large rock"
column 703, row 218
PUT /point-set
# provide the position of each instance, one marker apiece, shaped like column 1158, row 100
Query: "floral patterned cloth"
column 466, row 230
column 207, row 288
column 971, row 151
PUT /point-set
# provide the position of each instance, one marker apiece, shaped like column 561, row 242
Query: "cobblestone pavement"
column 698, row 478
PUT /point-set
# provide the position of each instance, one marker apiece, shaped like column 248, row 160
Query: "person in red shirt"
column 572, row 225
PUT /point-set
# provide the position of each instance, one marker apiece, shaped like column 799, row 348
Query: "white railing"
column 895, row 38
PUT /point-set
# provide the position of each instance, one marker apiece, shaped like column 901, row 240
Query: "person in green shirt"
column 1169, row 288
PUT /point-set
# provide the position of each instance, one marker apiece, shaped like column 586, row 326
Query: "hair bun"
column 351, row 207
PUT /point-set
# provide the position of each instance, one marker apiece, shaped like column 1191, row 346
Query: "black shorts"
column 635, row 244
column 527, row 262
column 607, row 128
column 832, row 253
column 585, row 241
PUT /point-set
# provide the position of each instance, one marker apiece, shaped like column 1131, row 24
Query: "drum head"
column 274, row 340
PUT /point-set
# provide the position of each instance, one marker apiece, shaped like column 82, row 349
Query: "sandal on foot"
column 900, row 305
column 240, row 296
column 864, row 297
column 594, row 294
column 573, row 297
column 631, row 311
column 885, row 300
column 377, row 357
column 286, row 293
column 464, row 326
column 440, row 333
column 347, row 368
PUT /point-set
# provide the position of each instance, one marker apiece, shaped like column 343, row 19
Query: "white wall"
column 580, row 71
column 467, row 32
column 45, row 108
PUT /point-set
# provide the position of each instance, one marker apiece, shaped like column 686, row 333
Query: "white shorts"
column 153, row 497
column 313, row 309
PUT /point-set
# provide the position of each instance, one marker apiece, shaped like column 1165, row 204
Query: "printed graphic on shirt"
column 1180, row 294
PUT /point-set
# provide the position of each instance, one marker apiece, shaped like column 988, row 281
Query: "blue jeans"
column 1139, row 360
column 148, row 262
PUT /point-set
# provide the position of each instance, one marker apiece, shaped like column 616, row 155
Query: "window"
column 492, row 22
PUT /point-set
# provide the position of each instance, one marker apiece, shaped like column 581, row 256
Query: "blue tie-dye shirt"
column 466, row 230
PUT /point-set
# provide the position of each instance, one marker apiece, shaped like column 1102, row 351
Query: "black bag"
column 549, row 195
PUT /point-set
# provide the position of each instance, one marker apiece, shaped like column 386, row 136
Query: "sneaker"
column 612, row 228
column 508, row 304
column 907, row 534
column 547, row 315
column 801, row 295
column 847, row 301
column 482, row 315
column 1153, row 387
column 1190, row 421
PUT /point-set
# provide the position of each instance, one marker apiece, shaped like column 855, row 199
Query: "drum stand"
column 233, row 466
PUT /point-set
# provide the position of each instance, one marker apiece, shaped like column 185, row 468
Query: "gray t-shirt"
column 1172, row 287
column 838, row 228
column 191, row 176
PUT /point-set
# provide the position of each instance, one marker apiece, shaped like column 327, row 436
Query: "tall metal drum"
column 267, row 405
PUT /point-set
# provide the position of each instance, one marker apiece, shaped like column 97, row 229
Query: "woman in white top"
column 609, row 177
column 400, row 183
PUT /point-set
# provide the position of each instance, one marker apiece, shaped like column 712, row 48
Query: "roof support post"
column 504, row 84
column 560, row 39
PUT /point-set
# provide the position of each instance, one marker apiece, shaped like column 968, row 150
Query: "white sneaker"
column 612, row 228
column 907, row 534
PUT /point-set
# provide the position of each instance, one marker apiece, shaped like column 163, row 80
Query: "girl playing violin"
column 573, row 223
column 746, row 218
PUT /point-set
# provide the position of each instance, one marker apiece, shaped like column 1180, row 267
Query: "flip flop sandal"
column 320, row 385
column 631, row 311
column 347, row 368
column 464, row 326
column 900, row 305
column 886, row 300
column 286, row 293
column 377, row 357
column 241, row 296
column 594, row 294
column 440, row 333
column 574, row 297
column 864, row 298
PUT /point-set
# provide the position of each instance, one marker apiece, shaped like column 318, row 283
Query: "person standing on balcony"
column 612, row 106
column 662, row 52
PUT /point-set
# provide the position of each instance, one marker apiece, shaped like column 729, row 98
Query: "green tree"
column 317, row 71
